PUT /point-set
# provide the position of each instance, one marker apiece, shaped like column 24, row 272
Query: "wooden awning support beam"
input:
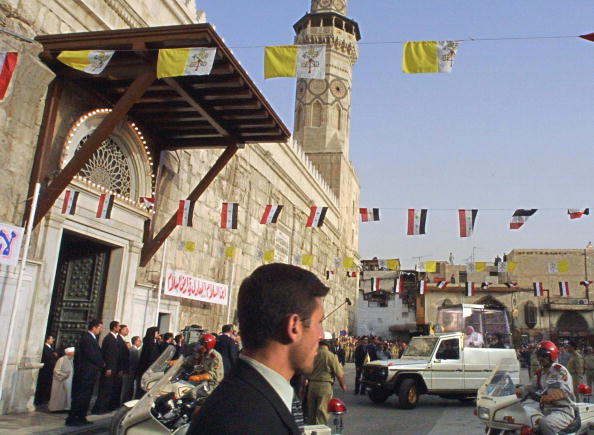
column 150, row 247
column 50, row 194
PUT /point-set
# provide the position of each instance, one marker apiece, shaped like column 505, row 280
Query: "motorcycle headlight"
column 483, row 413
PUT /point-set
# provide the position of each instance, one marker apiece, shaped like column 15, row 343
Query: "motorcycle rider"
column 207, row 361
column 555, row 383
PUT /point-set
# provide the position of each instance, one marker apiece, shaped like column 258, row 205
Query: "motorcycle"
column 504, row 413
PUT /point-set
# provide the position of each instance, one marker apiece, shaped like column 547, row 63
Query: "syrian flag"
column 8, row 60
column 467, row 218
column 485, row 285
column 442, row 284
column 586, row 283
column 271, row 214
column 520, row 217
column 185, row 213
column 564, row 288
column 369, row 214
column 399, row 287
column 575, row 213
column 470, row 290
column 538, row 290
column 511, row 284
column 375, row 284
column 316, row 216
column 422, row 286
column 105, row 206
column 148, row 201
column 416, row 221
column 229, row 215
column 70, row 199
column 351, row 274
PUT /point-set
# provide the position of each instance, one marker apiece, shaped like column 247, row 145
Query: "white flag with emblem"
column 311, row 61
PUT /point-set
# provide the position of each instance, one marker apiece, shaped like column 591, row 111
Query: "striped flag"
column 575, row 213
column 511, row 284
column 520, row 217
column 485, row 285
column 538, row 290
column 105, row 206
column 351, row 274
column 8, row 60
column 70, row 199
column 271, row 214
column 229, row 215
column 148, row 201
column 316, row 216
column 442, row 284
column 416, row 221
column 89, row 61
column 467, row 218
column 375, row 284
column 586, row 283
column 422, row 286
column 369, row 214
column 470, row 290
column 399, row 287
column 564, row 288
column 185, row 213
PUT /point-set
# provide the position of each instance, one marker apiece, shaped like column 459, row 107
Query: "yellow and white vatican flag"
column 302, row 61
column 89, row 61
column 429, row 56
column 195, row 61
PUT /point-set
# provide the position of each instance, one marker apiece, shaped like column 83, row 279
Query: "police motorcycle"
column 504, row 413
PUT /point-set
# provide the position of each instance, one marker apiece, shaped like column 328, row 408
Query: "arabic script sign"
column 187, row 286
column 11, row 239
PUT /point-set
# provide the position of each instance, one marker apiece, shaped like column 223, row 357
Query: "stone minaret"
column 323, row 107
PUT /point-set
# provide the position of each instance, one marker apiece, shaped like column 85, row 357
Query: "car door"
column 447, row 366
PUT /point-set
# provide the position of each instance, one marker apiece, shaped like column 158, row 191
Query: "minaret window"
column 337, row 118
column 316, row 114
column 299, row 117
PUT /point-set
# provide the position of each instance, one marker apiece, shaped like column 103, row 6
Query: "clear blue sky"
column 511, row 127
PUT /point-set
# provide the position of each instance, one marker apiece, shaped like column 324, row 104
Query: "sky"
column 511, row 127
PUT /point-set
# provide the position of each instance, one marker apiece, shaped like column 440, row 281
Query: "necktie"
column 297, row 412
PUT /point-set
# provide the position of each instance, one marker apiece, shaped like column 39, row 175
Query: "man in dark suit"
column 338, row 351
column 44, row 380
column 360, row 356
column 228, row 348
column 280, row 317
column 122, row 392
column 108, row 383
column 88, row 361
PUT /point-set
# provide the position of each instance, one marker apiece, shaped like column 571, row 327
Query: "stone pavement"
column 50, row 423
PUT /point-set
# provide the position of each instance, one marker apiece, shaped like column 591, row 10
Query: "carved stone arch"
column 316, row 114
column 572, row 321
column 490, row 302
column 337, row 116
column 530, row 314
column 299, row 117
column 446, row 302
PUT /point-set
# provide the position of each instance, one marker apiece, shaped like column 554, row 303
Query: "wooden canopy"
column 224, row 109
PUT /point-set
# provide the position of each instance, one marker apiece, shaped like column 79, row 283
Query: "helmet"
column 548, row 349
column 208, row 341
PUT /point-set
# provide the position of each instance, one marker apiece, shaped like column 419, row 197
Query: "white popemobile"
column 446, row 364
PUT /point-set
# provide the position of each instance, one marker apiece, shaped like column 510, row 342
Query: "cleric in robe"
column 62, row 382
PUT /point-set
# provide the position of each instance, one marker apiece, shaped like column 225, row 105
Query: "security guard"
column 207, row 362
column 575, row 366
column 326, row 369
column 555, row 382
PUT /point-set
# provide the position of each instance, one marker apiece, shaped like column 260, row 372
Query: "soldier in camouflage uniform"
column 207, row 361
column 575, row 365
column 555, row 383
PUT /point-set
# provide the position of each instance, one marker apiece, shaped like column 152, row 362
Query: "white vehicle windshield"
column 420, row 347
column 501, row 383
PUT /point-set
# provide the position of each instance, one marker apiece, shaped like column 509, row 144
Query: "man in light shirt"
column 280, row 319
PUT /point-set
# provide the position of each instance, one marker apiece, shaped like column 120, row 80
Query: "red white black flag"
column 375, row 284
column 316, row 216
column 369, row 214
column 511, row 284
column 442, row 284
column 575, row 213
column 538, row 290
column 586, row 283
column 422, row 286
column 485, row 285
column 416, row 221
column 564, row 288
column 470, row 291
column 520, row 217
column 185, row 213
column 467, row 218
column 350, row 274
column 8, row 62
column 399, row 287
column 148, row 201
column 105, row 206
column 229, row 215
column 70, row 200
column 271, row 214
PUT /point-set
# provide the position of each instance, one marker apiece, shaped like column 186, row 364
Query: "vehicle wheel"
column 115, row 428
column 377, row 395
column 408, row 394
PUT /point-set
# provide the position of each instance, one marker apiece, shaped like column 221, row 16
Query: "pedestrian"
column 108, row 384
column 228, row 348
column 88, row 362
column 534, row 364
column 148, row 355
column 136, row 344
column 44, row 379
column 575, row 366
column 589, row 365
column 280, row 314
column 178, row 341
column 383, row 352
column 361, row 356
column 326, row 369
column 166, row 341
column 124, row 378
column 339, row 352
column 62, row 383
column 563, row 355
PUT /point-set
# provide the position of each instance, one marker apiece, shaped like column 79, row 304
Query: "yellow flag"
column 269, row 255
column 563, row 266
column 429, row 56
column 280, row 61
column 480, row 266
column 230, row 252
column 393, row 264
column 189, row 61
column 307, row 260
column 347, row 262
column 89, row 61
column 511, row 266
column 430, row 266
column 189, row 246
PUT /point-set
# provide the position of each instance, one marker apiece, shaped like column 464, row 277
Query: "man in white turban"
column 62, row 382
